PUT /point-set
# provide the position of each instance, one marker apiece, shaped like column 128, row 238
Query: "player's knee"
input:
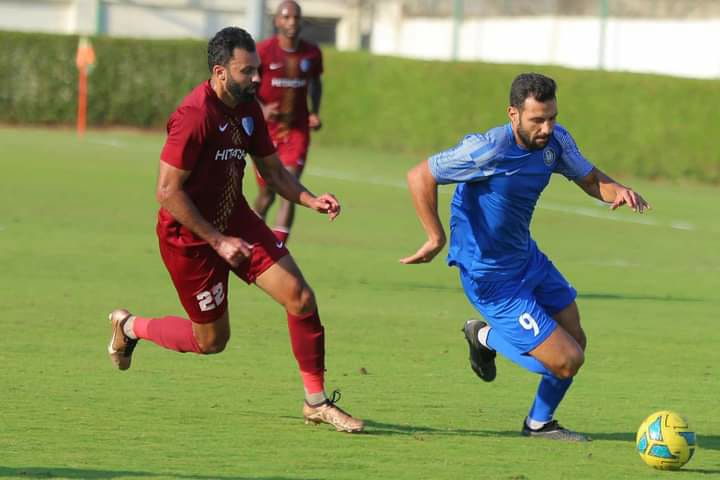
column 214, row 345
column 570, row 364
column 306, row 300
column 211, row 348
column 575, row 362
column 302, row 299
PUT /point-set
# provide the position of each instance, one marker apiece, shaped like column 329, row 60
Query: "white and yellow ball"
column 665, row 440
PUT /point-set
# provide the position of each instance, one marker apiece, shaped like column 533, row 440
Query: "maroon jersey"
column 210, row 139
column 284, row 79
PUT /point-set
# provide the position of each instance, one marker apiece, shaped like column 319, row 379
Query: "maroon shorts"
column 292, row 149
column 200, row 275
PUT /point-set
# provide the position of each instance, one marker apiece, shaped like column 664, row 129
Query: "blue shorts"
column 521, row 309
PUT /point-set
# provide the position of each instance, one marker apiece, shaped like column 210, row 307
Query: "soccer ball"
column 665, row 441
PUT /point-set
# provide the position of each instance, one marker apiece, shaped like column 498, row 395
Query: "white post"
column 82, row 17
column 255, row 18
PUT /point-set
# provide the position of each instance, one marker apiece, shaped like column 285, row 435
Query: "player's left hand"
column 631, row 198
column 425, row 253
column 314, row 121
column 326, row 203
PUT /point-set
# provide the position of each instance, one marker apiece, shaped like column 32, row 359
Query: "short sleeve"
column 470, row 160
column 261, row 144
column 572, row 164
column 187, row 129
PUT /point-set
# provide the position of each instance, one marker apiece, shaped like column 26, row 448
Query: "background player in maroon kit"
column 290, row 70
column 206, row 228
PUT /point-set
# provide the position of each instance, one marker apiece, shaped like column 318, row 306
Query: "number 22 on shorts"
column 528, row 323
column 209, row 300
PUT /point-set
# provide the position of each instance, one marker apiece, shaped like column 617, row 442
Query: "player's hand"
column 326, row 203
column 631, row 198
column 271, row 111
column 426, row 253
column 314, row 121
column 233, row 250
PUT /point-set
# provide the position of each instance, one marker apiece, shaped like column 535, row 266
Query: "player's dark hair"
column 221, row 46
column 535, row 85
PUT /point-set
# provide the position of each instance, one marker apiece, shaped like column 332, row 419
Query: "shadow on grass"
column 654, row 298
column 707, row 442
column 62, row 472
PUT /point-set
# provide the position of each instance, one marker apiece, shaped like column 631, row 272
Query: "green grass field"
column 77, row 240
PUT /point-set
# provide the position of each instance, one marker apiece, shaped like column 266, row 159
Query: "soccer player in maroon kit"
column 290, row 70
column 206, row 228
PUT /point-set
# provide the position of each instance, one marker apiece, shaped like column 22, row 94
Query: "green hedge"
column 645, row 125
column 135, row 82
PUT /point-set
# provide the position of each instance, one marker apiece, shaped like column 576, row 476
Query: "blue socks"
column 551, row 389
column 549, row 394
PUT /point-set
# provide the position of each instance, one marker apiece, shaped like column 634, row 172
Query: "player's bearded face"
column 536, row 122
column 531, row 141
column 242, row 92
column 240, row 75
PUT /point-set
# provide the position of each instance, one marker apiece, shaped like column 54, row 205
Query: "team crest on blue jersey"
column 305, row 64
column 248, row 125
column 549, row 156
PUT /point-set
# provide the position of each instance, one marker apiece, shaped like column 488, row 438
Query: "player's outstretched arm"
column 599, row 185
column 172, row 197
column 285, row 183
column 315, row 94
column 423, row 189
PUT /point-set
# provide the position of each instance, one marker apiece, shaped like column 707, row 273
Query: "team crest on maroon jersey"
column 305, row 64
column 248, row 125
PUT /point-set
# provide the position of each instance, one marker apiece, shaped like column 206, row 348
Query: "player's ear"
column 513, row 114
column 219, row 71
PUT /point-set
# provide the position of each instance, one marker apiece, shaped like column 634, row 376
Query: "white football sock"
column 483, row 334
column 534, row 424
column 315, row 399
column 128, row 328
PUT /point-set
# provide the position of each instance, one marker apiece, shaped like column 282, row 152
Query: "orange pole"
column 82, row 101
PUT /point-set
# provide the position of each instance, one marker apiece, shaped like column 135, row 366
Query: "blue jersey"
column 499, row 185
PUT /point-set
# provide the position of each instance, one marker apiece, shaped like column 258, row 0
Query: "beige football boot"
column 333, row 415
column 121, row 346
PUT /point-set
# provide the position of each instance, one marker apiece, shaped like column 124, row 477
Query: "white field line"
column 355, row 178
column 386, row 182
column 602, row 212
column 607, row 215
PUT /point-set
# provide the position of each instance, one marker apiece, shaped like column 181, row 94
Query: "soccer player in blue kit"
column 530, row 308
